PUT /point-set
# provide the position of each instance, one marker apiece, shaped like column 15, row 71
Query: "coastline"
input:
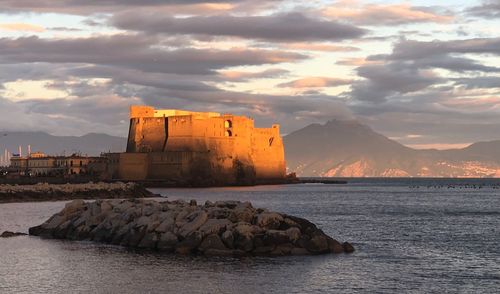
column 55, row 192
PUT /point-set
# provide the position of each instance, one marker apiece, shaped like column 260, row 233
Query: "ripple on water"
column 408, row 240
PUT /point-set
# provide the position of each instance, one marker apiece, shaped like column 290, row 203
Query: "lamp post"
column 5, row 156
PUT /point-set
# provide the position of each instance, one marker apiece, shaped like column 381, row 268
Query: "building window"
column 228, row 124
column 228, row 133
column 271, row 141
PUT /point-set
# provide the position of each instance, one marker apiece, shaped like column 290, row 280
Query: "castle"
column 200, row 148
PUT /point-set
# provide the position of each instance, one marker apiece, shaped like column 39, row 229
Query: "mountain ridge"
column 351, row 149
column 89, row 144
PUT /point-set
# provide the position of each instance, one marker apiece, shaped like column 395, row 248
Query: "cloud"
column 487, row 9
column 409, row 49
column 320, row 47
column 243, row 76
column 383, row 81
column 315, row 82
column 136, row 52
column 21, row 27
column 386, row 14
column 482, row 82
column 85, row 7
column 278, row 27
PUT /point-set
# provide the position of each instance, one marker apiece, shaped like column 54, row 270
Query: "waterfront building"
column 200, row 147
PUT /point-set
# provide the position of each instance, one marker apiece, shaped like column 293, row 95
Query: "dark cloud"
column 483, row 82
column 280, row 27
column 134, row 51
column 487, row 9
column 94, row 6
column 409, row 50
column 383, row 81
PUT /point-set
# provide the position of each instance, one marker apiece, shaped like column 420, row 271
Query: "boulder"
column 228, row 228
column 167, row 242
column 228, row 239
column 212, row 241
column 9, row 234
column 197, row 220
column 190, row 243
column 215, row 226
column 348, row 248
column 269, row 220
column 317, row 245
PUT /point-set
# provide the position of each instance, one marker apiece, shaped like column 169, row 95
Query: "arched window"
column 228, row 124
column 228, row 133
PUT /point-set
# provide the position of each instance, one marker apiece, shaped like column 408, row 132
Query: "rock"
column 335, row 246
column 275, row 237
column 74, row 206
column 269, row 220
column 228, row 228
column 317, row 245
column 264, row 250
column 149, row 240
column 215, row 226
column 348, row 248
column 167, row 242
column 9, row 234
column 283, row 249
column 299, row 251
column 228, row 239
column 242, row 214
column 212, row 241
column 193, row 203
column 106, row 206
column 166, row 225
column 190, row 243
column 293, row 234
column 198, row 220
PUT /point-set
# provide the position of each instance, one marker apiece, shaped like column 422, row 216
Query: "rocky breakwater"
column 220, row 228
column 50, row 192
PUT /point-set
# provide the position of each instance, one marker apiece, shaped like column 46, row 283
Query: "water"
column 411, row 236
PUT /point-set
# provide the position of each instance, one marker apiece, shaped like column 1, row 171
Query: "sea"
column 410, row 235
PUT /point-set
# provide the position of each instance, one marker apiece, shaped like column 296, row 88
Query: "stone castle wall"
column 197, row 146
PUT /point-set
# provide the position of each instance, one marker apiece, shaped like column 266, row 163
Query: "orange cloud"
column 320, row 47
column 358, row 61
column 379, row 14
column 20, row 27
column 244, row 75
column 315, row 82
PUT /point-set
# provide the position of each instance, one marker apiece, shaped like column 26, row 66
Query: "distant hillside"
column 350, row 149
column 90, row 144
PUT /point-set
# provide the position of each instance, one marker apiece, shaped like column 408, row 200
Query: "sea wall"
column 51, row 192
column 220, row 228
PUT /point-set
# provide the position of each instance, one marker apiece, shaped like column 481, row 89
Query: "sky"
column 424, row 73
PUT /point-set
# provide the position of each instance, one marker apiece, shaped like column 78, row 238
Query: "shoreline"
column 54, row 192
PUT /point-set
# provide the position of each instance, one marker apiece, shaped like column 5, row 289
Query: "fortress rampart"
column 203, row 148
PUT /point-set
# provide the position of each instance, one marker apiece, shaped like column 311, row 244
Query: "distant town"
column 38, row 164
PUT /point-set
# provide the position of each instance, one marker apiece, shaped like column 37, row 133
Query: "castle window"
column 271, row 141
column 228, row 133
column 228, row 124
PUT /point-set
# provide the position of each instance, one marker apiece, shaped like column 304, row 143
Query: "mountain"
column 90, row 144
column 351, row 149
